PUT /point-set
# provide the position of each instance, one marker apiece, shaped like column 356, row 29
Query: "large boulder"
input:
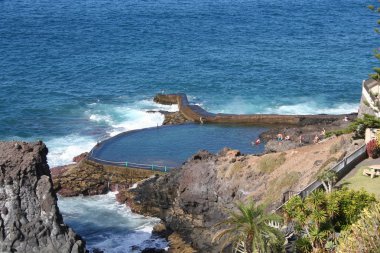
column 30, row 220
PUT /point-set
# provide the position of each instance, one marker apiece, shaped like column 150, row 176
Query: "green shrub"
column 319, row 216
column 358, row 127
column 363, row 235
column 338, row 132
column 303, row 245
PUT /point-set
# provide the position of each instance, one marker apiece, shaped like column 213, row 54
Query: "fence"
column 127, row 164
column 342, row 169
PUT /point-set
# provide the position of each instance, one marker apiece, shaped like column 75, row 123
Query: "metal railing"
column 342, row 168
column 126, row 164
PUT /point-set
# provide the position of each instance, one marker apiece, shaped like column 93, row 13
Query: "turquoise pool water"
column 172, row 145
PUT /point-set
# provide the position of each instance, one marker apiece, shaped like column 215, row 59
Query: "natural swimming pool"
column 172, row 145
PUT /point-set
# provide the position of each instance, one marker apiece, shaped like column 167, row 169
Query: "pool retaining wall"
column 198, row 114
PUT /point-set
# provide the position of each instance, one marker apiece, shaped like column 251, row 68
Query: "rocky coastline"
column 87, row 178
column 192, row 199
column 30, row 220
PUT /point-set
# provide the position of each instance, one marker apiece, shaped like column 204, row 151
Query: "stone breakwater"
column 30, row 220
column 196, row 113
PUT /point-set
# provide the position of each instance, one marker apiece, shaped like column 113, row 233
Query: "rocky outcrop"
column 80, row 157
column 174, row 118
column 30, row 220
column 192, row 199
column 91, row 178
column 301, row 135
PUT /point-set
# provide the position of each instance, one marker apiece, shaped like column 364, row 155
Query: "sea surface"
column 109, row 226
column 74, row 72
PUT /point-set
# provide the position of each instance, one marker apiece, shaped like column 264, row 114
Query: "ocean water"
column 73, row 72
column 119, row 231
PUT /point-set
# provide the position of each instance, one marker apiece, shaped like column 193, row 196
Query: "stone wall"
column 198, row 114
column 364, row 108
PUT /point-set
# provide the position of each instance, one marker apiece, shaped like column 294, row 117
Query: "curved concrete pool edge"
column 196, row 113
column 126, row 164
column 93, row 156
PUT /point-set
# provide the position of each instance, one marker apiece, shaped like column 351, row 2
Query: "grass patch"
column 279, row 185
column 269, row 163
column 358, row 181
column 339, row 132
column 236, row 168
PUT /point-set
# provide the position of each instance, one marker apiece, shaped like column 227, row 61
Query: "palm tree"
column 328, row 179
column 248, row 230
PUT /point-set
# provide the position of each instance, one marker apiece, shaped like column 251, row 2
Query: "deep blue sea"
column 72, row 72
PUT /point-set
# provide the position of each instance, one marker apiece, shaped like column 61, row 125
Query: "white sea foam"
column 100, row 118
column 108, row 225
column 128, row 117
column 63, row 149
column 314, row 108
column 240, row 106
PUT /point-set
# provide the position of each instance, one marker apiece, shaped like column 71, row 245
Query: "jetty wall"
column 198, row 114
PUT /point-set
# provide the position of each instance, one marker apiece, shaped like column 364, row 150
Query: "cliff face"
column 191, row 200
column 29, row 219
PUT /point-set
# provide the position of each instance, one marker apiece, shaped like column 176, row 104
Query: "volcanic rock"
column 30, row 220
column 193, row 199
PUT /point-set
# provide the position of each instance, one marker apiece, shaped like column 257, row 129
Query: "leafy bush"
column 303, row 245
column 350, row 203
column 338, row 132
column 319, row 216
column 363, row 235
column 358, row 127
column 373, row 149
